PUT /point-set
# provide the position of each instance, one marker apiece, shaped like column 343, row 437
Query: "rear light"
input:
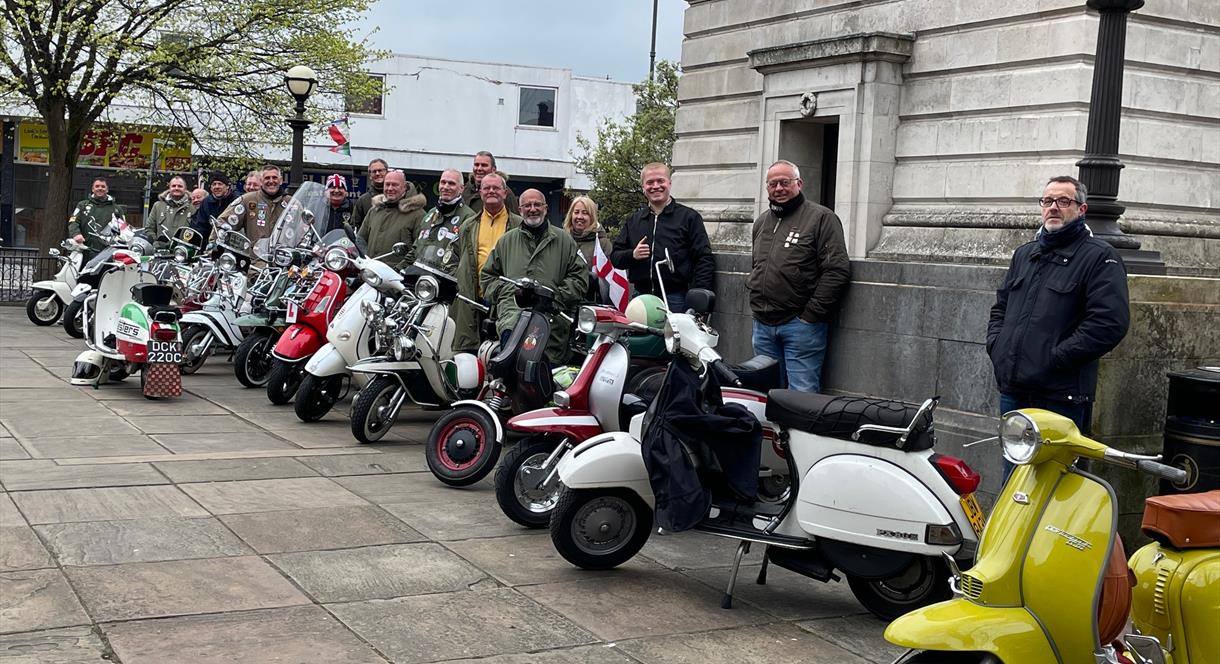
column 124, row 259
column 942, row 535
column 163, row 332
column 957, row 473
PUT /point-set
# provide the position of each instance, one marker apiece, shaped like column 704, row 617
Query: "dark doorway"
column 813, row 145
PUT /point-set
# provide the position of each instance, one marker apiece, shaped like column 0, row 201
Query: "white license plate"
column 164, row 352
column 291, row 315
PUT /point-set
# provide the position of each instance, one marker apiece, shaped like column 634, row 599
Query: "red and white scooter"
column 603, row 398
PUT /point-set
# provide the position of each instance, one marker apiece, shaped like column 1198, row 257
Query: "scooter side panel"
column 1175, row 592
column 297, row 342
column 328, row 361
column 62, row 290
column 871, row 502
column 226, row 334
column 960, row 625
column 608, row 460
column 606, row 390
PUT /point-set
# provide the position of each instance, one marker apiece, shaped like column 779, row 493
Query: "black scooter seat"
column 759, row 373
column 840, row 417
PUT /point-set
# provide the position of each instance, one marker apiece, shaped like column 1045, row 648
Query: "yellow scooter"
column 1050, row 583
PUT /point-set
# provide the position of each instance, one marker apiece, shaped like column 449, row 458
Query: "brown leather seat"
column 1115, row 602
column 1184, row 521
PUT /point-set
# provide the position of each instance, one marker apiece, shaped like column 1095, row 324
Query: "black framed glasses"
column 1062, row 201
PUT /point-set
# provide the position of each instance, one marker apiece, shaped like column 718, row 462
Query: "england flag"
column 616, row 280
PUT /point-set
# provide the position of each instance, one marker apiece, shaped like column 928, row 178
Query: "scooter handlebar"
column 726, row 374
column 1171, row 473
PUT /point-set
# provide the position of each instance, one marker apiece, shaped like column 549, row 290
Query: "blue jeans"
column 800, row 348
column 676, row 302
column 1076, row 411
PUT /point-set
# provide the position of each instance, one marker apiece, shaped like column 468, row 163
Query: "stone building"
column 930, row 126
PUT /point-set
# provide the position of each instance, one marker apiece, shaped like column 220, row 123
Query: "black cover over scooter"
column 697, row 448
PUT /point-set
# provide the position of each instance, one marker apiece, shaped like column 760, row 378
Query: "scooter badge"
column 1020, row 497
column 529, row 343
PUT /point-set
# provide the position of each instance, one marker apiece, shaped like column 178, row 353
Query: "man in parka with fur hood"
column 394, row 217
column 172, row 210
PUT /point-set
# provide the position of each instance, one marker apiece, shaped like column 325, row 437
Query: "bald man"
column 435, row 244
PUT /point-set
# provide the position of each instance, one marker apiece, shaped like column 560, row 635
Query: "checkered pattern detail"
column 162, row 380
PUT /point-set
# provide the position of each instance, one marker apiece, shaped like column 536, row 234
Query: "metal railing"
column 21, row 267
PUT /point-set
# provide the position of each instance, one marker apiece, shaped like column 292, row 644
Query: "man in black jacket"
column 339, row 208
column 799, row 271
column 1062, row 306
column 220, row 196
column 664, row 225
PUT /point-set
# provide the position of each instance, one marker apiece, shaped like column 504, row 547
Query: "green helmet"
column 647, row 309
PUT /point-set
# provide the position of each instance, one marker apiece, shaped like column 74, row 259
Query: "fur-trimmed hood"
column 164, row 196
column 406, row 204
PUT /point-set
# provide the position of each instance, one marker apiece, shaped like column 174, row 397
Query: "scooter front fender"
column 959, row 625
column 382, row 364
column 328, row 361
column 608, row 460
column 61, row 290
column 297, row 343
column 486, row 409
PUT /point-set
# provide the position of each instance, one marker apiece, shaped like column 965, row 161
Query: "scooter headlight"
column 673, row 340
column 336, row 259
column 181, row 254
column 1019, row 437
column 404, row 348
column 427, row 288
column 371, row 310
column 227, row 262
column 586, row 319
column 282, row 257
column 370, row 277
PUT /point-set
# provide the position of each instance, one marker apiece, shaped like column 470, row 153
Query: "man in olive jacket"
column 255, row 213
column 394, row 217
column 172, row 210
column 438, row 232
column 800, row 271
column 544, row 253
column 477, row 238
column 91, row 216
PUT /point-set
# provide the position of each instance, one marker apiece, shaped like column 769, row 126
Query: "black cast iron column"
column 297, row 168
column 7, row 181
column 1100, row 168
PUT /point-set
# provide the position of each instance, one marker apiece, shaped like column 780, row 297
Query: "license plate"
column 974, row 513
column 291, row 315
column 164, row 352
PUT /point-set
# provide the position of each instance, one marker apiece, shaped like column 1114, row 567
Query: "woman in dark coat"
column 581, row 223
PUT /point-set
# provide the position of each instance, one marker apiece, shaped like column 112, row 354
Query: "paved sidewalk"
column 219, row 528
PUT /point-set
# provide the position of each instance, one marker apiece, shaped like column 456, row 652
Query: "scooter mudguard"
column 328, row 361
column 565, row 422
column 958, row 625
column 81, row 292
column 61, row 290
column 298, row 342
column 381, row 364
column 607, row 460
column 131, row 333
column 215, row 322
column 251, row 320
column 486, row 409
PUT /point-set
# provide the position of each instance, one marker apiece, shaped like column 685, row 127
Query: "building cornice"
column 861, row 47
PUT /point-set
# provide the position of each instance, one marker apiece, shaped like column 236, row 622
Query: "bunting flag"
column 336, row 134
column 615, row 279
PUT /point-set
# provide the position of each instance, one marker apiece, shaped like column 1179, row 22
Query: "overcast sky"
column 590, row 37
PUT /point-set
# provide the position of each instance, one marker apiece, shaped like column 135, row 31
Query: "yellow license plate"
column 974, row 513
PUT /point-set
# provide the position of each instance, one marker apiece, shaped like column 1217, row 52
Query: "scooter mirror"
column 401, row 248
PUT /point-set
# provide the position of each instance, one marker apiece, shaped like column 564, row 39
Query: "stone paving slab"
column 95, row 419
column 187, row 404
column 531, row 559
column 186, row 424
column 773, row 644
column 661, row 603
column 266, row 636
column 46, row 474
column 38, row 599
column 695, row 550
column 221, row 470
column 377, row 572
column 786, row 595
column 32, row 397
column 310, row 437
column 21, row 549
column 11, row 449
column 863, row 635
column 69, row 505
column 245, row 402
column 32, row 375
column 250, row 441
column 9, row 515
column 415, row 487
column 428, row 628
column 92, row 446
column 271, row 495
column 182, row 587
column 140, row 540
column 70, row 645
column 393, row 461
column 458, row 520
column 320, row 529
column 602, row 653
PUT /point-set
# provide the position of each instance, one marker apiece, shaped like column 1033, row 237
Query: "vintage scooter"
column 52, row 296
column 617, row 381
column 212, row 325
column 149, row 339
column 1050, row 583
column 868, row 497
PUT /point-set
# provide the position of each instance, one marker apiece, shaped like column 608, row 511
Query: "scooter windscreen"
column 303, row 217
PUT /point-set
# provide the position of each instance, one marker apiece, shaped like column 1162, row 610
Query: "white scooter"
column 868, row 498
column 52, row 296
column 214, row 324
column 350, row 337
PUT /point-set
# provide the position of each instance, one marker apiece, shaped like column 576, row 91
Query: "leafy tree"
column 211, row 67
column 614, row 159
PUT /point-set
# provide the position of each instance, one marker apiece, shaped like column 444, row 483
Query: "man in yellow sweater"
column 476, row 238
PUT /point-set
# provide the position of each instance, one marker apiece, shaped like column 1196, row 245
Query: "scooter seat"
column 759, row 373
column 840, row 417
column 1184, row 521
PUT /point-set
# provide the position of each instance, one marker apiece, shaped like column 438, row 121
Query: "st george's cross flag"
column 614, row 278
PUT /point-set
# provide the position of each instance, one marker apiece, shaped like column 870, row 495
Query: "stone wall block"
column 720, row 81
column 734, row 114
column 965, row 379
column 926, row 95
column 958, row 315
column 884, row 364
column 721, row 149
column 882, row 308
column 1170, row 330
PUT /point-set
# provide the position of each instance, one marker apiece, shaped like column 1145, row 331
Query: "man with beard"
column 485, row 164
column 172, row 210
column 394, row 217
column 544, row 253
column 339, row 208
column 476, row 238
column 91, row 216
column 255, row 213
column 800, row 271
column 438, row 233
column 220, row 196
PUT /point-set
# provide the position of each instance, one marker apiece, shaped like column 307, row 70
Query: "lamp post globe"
column 301, row 82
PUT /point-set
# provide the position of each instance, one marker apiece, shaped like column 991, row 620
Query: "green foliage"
column 614, row 158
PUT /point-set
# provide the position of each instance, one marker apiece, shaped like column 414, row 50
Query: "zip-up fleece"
column 800, row 265
column 678, row 229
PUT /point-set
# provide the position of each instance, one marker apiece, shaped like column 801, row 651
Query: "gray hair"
column 1082, row 193
column 796, row 170
column 460, row 178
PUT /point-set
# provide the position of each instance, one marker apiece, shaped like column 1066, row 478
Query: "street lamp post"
column 301, row 81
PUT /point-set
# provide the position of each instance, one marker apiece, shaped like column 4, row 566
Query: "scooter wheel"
column 118, row 371
column 73, row 324
column 316, row 396
column 43, row 308
column 283, row 381
column 518, row 480
column 370, row 420
column 191, row 337
column 599, row 528
column 462, row 447
column 925, row 581
column 252, row 360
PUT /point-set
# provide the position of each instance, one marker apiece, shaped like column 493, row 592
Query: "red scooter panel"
column 298, row 342
column 575, row 424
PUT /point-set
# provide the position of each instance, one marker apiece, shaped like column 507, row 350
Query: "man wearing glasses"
column 799, row 272
column 1062, row 305
column 477, row 236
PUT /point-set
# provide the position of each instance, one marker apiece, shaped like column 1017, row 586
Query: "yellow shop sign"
column 111, row 146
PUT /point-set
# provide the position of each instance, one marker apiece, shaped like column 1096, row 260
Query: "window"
column 367, row 101
column 537, row 108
